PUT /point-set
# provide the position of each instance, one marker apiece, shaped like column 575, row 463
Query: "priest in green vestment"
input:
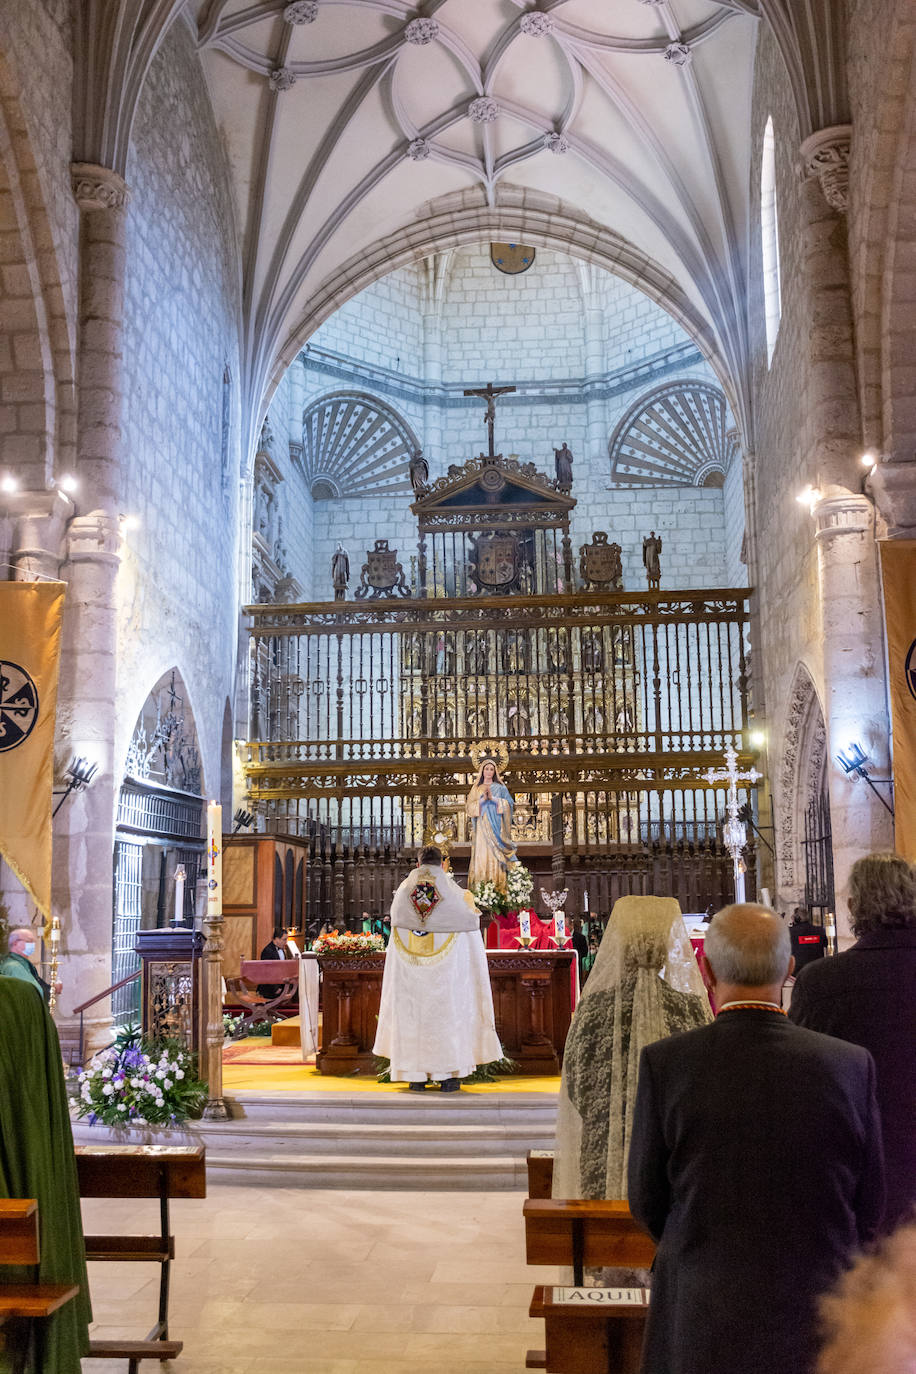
column 37, row 1161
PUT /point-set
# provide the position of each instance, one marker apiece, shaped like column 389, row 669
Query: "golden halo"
column 493, row 749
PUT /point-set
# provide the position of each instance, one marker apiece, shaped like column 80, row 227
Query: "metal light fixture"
column 243, row 820
column 78, row 776
column 852, row 760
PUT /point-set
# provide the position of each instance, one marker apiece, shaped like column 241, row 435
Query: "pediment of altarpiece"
column 493, row 490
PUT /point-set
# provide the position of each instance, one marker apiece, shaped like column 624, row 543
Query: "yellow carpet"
column 242, row 1076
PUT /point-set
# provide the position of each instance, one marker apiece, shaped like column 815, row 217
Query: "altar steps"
column 379, row 1140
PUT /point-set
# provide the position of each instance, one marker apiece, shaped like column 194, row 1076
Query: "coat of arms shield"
column 382, row 573
column 497, row 560
column 600, row 563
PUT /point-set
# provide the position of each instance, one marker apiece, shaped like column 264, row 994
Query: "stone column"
column 432, row 405
column 595, row 409
column 39, row 521
column 84, row 842
column 855, row 705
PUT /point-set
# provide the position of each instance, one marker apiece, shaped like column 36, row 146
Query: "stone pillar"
column 851, row 628
column 595, row 410
column 39, row 521
column 432, row 406
column 84, row 843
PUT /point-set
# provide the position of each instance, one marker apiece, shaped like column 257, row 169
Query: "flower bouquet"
column 343, row 942
column 519, row 887
column 140, row 1083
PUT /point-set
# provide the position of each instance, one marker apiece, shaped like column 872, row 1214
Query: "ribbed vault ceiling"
column 345, row 118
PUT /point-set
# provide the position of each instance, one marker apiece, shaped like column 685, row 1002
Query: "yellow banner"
column 898, row 565
column 30, row 621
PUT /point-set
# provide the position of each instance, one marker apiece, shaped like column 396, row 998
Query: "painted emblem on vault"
column 511, row 258
column 18, row 705
column 497, row 561
column 382, row 574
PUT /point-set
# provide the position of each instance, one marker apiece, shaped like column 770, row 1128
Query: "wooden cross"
column 734, row 833
column 490, row 392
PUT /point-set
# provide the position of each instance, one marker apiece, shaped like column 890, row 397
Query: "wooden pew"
column 136, row 1171
column 540, row 1172
column 587, row 1330
column 21, row 1304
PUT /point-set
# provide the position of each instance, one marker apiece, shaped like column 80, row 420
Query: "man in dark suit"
column 868, row 995
column 755, row 1163
column 274, row 949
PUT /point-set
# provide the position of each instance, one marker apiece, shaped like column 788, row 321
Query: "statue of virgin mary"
column 489, row 807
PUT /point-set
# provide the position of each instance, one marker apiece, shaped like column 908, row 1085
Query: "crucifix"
column 490, row 393
column 733, row 833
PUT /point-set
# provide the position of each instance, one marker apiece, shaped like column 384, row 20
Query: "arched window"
column 769, row 237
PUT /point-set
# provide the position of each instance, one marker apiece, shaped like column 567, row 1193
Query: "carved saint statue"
column 489, row 808
column 419, row 472
column 651, row 548
column 340, row 572
column 563, row 462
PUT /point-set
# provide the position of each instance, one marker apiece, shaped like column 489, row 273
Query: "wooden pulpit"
column 263, row 887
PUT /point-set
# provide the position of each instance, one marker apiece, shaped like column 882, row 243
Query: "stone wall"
column 177, row 582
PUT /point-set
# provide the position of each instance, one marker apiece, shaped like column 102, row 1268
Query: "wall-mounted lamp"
column 243, row 820
column 757, row 739
column 852, row 760
column 128, row 522
column 8, row 484
column 869, row 460
column 78, row 776
column 809, row 497
column 68, row 483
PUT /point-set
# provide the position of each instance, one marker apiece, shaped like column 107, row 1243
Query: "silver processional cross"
column 734, row 832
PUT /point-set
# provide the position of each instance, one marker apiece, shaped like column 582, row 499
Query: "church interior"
column 386, row 388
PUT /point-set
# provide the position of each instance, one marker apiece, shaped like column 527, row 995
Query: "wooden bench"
column 141, row 1171
column 587, row 1330
column 540, row 1172
column 23, row 1303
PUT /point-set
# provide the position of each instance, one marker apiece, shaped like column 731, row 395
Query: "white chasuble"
column 436, row 1015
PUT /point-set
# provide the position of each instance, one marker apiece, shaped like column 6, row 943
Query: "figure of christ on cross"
column 490, row 392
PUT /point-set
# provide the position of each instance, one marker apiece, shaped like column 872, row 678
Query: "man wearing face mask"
column 17, row 964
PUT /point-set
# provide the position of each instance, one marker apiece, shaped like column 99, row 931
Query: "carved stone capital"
column 893, row 485
column 98, row 188
column 94, row 538
column 825, row 155
column 841, row 512
column 40, row 518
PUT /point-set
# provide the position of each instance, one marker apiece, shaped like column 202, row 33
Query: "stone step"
column 334, row 1137
column 396, row 1172
column 406, row 1108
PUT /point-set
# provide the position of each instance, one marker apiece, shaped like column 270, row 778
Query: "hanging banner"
column 30, row 624
column 898, row 565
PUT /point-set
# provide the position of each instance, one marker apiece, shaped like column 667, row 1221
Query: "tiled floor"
column 286, row 1280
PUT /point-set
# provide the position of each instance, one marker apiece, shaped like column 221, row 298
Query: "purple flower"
column 92, row 1118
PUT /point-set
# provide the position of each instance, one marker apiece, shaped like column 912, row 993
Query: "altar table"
column 531, row 1002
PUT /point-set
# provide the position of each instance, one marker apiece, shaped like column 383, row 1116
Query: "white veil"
column 644, row 985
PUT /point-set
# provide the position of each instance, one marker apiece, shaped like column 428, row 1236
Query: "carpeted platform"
column 254, row 1065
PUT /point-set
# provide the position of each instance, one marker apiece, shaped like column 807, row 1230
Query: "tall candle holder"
column 556, row 901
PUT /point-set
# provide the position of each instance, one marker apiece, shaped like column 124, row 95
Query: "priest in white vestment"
column 436, row 1018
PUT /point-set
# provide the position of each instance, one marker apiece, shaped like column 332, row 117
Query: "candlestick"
column 180, row 877
column 585, row 900
column 214, row 859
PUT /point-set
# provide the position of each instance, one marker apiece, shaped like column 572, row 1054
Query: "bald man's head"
column 748, row 945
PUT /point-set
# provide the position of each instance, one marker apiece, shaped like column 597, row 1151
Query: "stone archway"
column 801, row 781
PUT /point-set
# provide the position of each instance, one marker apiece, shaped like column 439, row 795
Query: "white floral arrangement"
column 488, row 897
column 134, row 1084
column 519, row 887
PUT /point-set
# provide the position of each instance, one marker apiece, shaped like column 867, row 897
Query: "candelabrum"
column 556, row 901
column 54, row 941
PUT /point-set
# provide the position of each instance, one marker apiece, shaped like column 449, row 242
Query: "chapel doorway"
column 159, row 827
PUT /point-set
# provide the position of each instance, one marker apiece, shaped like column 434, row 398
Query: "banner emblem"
column 18, row 705
column 424, row 899
column 909, row 670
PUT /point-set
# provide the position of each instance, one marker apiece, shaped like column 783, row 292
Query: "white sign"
column 601, row 1297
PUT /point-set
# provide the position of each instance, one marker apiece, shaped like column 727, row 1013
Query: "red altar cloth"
column 504, row 932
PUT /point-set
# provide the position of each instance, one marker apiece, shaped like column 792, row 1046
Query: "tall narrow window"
column 769, row 237
column 225, row 413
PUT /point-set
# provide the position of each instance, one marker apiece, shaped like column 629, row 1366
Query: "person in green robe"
column 37, row 1161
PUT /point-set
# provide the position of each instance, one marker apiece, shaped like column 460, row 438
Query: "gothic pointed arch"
column 355, row 445
column 678, row 435
column 802, row 778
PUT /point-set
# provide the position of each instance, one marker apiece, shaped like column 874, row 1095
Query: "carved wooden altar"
column 171, row 1001
column 531, row 1001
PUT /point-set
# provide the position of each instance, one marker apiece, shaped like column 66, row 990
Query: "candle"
column 214, row 859
column 180, row 877
column 585, row 900
column 524, row 924
column 559, row 924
